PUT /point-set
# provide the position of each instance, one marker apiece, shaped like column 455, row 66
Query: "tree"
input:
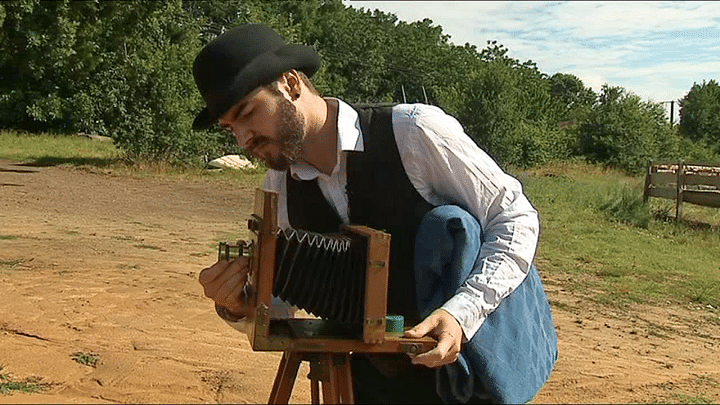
column 123, row 69
column 625, row 132
column 507, row 107
column 120, row 69
column 573, row 99
column 700, row 114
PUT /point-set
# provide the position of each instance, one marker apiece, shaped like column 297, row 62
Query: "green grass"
column 9, row 385
column 10, row 262
column 44, row 150
column 126, row 238
column 238, row 233
column 53, row 150
column 601, row 240
column 86, row 359
column 697, row 385
column 8, row 237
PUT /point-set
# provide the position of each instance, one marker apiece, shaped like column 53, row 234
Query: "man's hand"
column 446, row 329
column 223, row 282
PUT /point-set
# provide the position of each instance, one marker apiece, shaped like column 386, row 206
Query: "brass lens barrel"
column 231, row 251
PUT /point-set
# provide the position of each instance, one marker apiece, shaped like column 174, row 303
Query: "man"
column 387, row 168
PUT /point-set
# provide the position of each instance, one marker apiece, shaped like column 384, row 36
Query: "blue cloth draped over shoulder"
column 512, row 354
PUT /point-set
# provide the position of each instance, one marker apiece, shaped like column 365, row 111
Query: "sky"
column 656, row 50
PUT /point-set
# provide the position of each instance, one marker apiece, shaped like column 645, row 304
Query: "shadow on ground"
column 49, row 161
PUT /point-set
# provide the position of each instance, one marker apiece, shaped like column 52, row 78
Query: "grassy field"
column 600, row 238
column 597, row 235
column 52, row 150
column 100, row 156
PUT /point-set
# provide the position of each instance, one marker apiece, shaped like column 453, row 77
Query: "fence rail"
column 695, row 183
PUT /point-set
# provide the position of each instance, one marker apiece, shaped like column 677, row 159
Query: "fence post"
column 680, row 184
column 646, row 192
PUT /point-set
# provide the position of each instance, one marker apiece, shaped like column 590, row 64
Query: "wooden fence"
column 695, row 183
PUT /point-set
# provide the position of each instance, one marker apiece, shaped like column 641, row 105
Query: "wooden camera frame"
column 317, row 335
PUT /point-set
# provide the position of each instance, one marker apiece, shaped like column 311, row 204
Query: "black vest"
column 380, row 196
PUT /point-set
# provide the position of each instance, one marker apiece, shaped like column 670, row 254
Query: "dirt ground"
column 96, row 263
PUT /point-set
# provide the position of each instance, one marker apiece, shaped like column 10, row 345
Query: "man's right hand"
column 223, row 282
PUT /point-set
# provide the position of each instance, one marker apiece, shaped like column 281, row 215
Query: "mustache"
column 257, row 142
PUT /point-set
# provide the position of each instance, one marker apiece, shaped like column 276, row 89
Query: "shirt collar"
column 349, row 139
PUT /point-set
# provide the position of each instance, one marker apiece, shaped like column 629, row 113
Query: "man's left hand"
column 446, row 329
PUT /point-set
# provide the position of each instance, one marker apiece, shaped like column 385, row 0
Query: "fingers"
column 219, row 271
column 445, row 328
column 423, row 328
column 209, row 274
column 445, row 352
column 228, row 294
column 223, row 282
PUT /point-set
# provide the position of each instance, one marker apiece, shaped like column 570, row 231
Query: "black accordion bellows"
column 322, row 274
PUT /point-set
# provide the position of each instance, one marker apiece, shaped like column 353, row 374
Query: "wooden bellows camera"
column 341, row 279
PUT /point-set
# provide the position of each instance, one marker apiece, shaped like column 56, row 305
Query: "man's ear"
column 292, row 83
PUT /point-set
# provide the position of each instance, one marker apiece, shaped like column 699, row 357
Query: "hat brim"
column 261, row 71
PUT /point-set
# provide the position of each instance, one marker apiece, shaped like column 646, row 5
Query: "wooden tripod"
column 332, row 369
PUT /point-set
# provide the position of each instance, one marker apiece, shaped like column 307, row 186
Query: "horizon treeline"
column 123, row 69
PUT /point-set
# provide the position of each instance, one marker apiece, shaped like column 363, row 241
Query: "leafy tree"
column 700, row 114
column 625, row 132
column 507, row 107
column 573, row 99
column 123, row 69
column 120, row 69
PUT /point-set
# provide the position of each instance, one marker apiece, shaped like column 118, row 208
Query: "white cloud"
column 591, row 79
column 655, row 49
column 580, row 19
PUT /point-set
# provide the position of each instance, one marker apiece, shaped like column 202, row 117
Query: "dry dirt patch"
column 107, row 265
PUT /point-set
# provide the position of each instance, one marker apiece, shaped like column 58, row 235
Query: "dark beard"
column 290, row 137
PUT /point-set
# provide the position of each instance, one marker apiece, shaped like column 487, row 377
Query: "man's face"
column 268, row 125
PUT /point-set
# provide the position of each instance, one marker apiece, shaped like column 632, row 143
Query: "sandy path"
column 105, row 264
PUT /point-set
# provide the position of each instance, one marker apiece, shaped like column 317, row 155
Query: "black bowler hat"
column 240, row 60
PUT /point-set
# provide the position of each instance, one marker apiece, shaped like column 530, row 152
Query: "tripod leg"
column 334, row 371
column 285, row 378
column 315, row 391
column 329, row 380
column 344, row 378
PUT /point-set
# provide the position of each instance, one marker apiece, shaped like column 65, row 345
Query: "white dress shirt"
column 446, row 167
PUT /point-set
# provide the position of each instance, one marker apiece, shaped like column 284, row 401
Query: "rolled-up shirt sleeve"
column 447, row 167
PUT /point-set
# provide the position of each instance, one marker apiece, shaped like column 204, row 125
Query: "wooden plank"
column 263, row 224
column 319, row 336
column 702, row 180
column 701, row 164
column 690, row 179
column 691, row 166
column 670, row 180
column 285, row 378
column 663, row 178
column 704, row 198
column 376, row 280
column 663, row 192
